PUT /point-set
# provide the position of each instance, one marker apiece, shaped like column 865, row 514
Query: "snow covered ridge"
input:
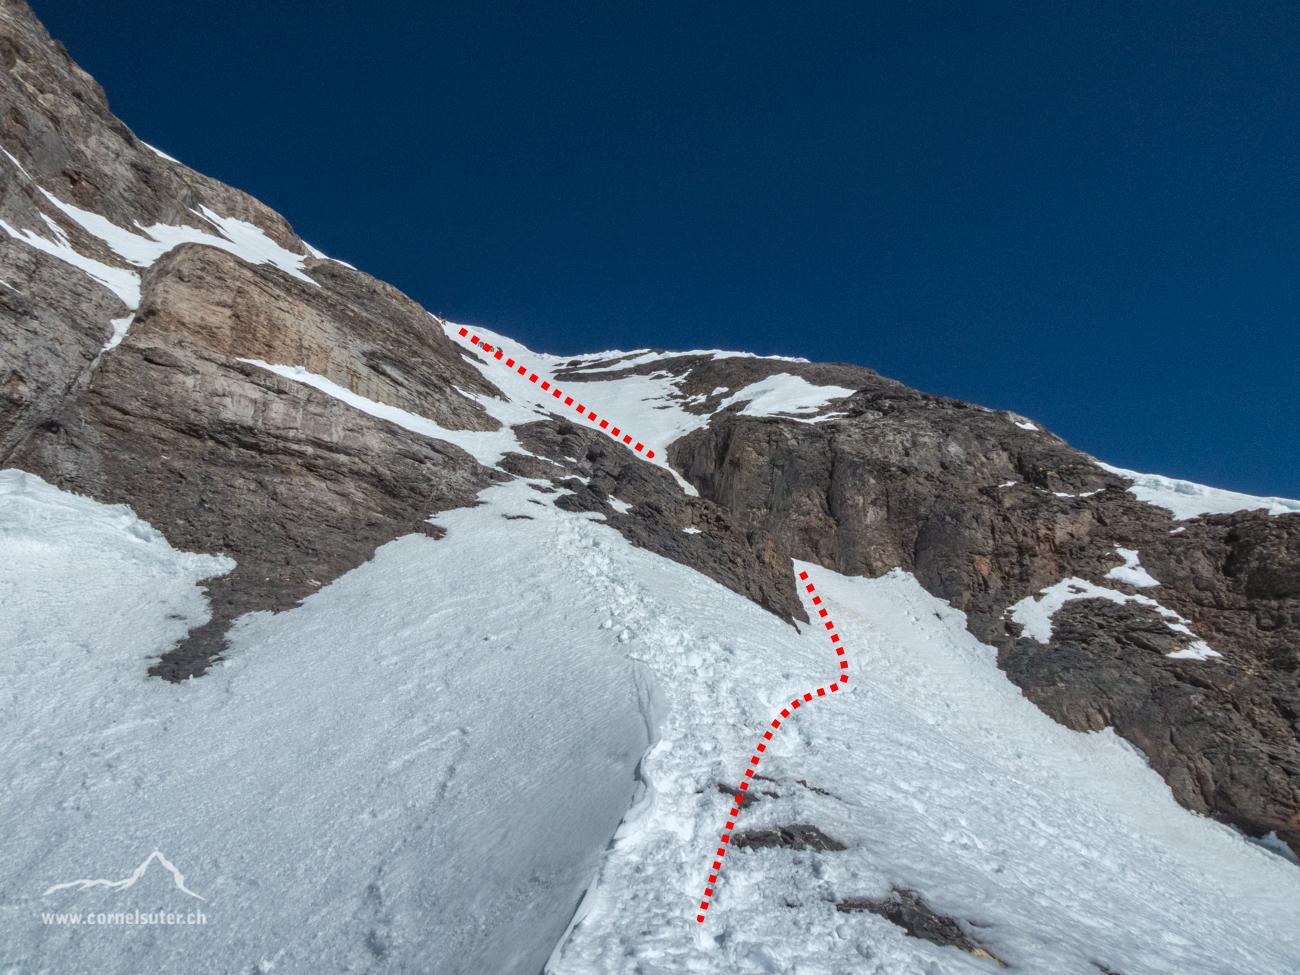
column 1187, row 499
column 614, row 359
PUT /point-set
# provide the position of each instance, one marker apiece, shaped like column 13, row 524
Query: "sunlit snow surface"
column 1131, row 571
column 1035, row 612
column 418, row 768
column 1066, row 848
column 1187, row 499
column 424, row 763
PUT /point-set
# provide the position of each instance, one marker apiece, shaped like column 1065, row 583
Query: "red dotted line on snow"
column 556, row 392
column 616, row 433
column 767, row 736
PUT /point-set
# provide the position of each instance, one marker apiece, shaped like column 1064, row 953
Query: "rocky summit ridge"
column 138, row 297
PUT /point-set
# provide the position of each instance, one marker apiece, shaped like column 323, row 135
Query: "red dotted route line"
column 767, row 736
column 822, row 614
column 556, row 392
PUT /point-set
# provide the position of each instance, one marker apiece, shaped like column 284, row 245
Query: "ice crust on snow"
column 1186, row 499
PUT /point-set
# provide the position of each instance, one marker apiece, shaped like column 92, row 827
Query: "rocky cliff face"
column 219, row 454
column 222, row 455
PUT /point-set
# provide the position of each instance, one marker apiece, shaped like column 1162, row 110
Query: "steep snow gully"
column 1056, row 851
column 822, row 616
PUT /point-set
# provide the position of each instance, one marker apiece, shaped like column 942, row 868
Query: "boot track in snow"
column 843, row 676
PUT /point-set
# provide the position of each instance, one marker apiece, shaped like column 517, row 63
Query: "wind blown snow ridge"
column 767, row 736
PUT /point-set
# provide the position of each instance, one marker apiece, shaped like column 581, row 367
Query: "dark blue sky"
column 1083, row 212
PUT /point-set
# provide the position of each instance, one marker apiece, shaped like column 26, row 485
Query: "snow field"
column 417, row 768
column 369, row 777
column 645, row 882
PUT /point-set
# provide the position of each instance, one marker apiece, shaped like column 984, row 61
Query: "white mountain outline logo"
column 129, row 881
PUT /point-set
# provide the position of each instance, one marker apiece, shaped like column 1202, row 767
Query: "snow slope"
column 421, row 768
column 421, row 764
column 1065, row 849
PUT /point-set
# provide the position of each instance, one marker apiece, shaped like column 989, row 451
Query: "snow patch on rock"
column 143, row 246
column 1035, row 613
column 1131, row 571
column 487, row 447
column 784, row 395
column 1186, row 499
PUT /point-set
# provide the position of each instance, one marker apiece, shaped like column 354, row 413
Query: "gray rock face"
column 222, row 456
column 219, row 455
column 608, row 473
